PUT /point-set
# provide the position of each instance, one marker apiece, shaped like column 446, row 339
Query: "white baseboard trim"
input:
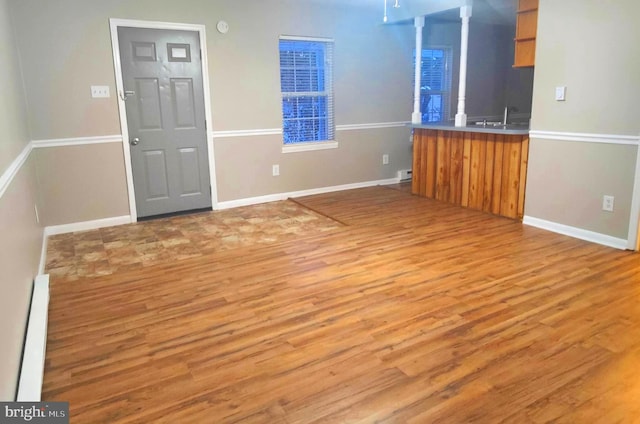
column 43, row 253
column 283, row 196
column 575, row 232
column 87, row 225
column 35, row 346
column 586, row 137
column 14, row 167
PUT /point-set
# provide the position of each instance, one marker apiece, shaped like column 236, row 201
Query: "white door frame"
column 200, row 29
column 633, row 240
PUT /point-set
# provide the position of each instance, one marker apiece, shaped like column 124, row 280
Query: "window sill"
column 307, row 147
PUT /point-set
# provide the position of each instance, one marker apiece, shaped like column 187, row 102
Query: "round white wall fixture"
column 223, row 27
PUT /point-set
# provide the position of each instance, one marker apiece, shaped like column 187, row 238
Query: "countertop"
column 501, row 129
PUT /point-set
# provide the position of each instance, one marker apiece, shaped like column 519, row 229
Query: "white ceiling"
column 501, row 12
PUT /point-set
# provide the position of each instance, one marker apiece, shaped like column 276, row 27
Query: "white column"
column 461, row 116
column 416, row 116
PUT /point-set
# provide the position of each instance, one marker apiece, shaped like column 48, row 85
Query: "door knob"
column 134, row 141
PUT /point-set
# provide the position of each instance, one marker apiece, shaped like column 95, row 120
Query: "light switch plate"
column 561, row 93
column 100, row 91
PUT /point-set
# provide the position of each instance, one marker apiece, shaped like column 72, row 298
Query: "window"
column 435, row 84
column 307, row 93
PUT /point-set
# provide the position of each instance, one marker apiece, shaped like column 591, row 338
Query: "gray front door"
column 162, row 75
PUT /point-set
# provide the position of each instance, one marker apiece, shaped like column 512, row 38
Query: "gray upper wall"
column 67, row 48
column 14, row 133
column 591, row 47
column 492, row 82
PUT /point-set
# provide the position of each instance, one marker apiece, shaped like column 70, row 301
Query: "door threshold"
column 172, row 214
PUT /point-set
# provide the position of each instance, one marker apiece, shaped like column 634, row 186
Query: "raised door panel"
column 189, row 171
column 155, row 170
column 183, row 102
column 148, row 103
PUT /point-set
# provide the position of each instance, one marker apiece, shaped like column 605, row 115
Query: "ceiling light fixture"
column 396, row 5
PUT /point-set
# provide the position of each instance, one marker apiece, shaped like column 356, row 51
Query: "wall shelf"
column 526, row 31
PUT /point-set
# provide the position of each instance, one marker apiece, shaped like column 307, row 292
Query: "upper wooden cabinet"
column 526, row 28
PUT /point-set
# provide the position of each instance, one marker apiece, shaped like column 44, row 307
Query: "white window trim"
column 309, row 146
column 299, row 38
column 449, row 70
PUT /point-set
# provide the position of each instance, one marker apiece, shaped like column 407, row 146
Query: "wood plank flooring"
column 414, row 311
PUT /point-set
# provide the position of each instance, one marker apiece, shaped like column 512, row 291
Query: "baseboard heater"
column 405, row 174
column 32, row 369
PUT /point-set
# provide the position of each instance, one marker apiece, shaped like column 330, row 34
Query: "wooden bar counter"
column 483, row 168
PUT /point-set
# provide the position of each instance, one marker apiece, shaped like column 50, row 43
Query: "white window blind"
column 435, row 84
column 307, row 89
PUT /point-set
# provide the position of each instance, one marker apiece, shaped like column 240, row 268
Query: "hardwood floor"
column 412, row 311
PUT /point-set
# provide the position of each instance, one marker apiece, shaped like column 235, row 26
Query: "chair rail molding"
column 77, row 141
column 278, row 131
column 586, row 137
column 14, row 167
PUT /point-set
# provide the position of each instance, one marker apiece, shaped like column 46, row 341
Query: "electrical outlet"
column 275, row 171
column 607, row 203
column 385, row 159
column 561, row 93
column 100, row 91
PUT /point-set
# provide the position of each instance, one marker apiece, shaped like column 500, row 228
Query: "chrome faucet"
column 508, row 109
